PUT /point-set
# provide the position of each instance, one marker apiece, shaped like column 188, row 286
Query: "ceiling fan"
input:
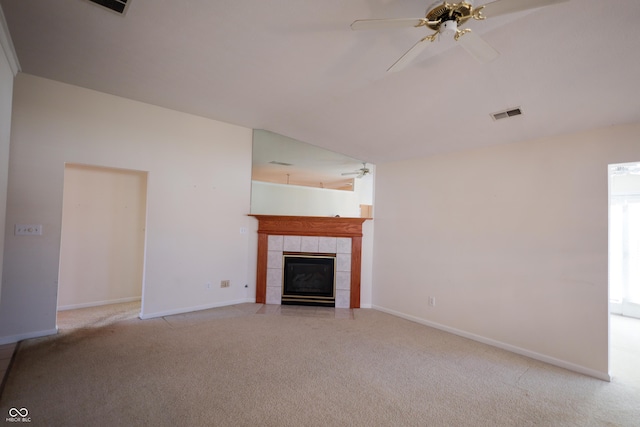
column 364, row 170
column 444, row 17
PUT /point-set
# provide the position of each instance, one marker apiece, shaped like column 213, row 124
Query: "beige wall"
column 510, row 240
column 103, row 236
column 6, row 96
column 198, row 199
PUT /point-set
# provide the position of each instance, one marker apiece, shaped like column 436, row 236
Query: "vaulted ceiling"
column 296, row 68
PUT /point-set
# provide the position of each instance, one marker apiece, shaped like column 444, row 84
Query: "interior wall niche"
column 290, row 177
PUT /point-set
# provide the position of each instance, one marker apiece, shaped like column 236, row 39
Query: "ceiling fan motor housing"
column 459, row 13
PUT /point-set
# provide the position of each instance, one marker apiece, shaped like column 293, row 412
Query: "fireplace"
column 279, row 234
column 309, row 279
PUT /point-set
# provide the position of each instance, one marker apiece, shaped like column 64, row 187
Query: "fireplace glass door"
column 309, row 279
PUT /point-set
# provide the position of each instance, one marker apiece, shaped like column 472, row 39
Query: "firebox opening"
column 309, row 279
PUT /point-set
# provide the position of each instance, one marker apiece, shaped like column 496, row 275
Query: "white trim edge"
column 15, row 338
column 499, row 344
column 145, row 316
column 7, row 45
column 98, row 303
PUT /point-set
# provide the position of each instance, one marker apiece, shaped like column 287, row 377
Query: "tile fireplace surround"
column 342, row 236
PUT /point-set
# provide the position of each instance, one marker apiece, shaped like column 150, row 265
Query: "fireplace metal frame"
column 307, row 299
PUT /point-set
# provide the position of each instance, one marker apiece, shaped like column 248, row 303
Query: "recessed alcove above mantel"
column 291, row 177
column 346, row 230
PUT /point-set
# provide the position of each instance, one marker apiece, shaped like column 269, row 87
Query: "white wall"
column 103, row 235
column 198, row 198
column 6, row 96
column 510, row 240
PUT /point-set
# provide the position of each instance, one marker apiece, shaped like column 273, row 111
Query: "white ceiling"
column 296, row 68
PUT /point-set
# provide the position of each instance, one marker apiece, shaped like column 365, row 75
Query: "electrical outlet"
column 432, row 301
column 225, row 283
column 28, row 230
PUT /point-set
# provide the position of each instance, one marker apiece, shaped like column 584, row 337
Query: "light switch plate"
column 28, row 230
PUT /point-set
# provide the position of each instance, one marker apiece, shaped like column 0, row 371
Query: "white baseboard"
column 20, row 337
column 145, row 316
column 97, row 303
column 521, row 351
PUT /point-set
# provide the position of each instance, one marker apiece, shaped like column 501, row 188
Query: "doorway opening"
column 624, row 268
column 103, row 239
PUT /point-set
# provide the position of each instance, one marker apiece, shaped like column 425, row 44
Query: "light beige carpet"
column 250, row 365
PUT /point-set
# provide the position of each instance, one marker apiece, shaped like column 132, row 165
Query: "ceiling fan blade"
column 379, row 24
column 478, row 47
column 502, row 7
column 409, row 56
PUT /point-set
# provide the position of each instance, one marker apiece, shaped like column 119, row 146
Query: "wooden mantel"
column 279, row 225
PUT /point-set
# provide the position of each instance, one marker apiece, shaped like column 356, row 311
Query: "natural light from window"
column 624, row 241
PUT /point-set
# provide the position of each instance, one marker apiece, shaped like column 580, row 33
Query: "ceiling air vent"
column 118, row 6
column 508, row 113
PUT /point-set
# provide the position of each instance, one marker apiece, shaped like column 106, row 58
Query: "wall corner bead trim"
column 7, row 45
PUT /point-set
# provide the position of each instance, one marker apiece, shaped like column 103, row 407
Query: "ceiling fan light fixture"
column 449, row 26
